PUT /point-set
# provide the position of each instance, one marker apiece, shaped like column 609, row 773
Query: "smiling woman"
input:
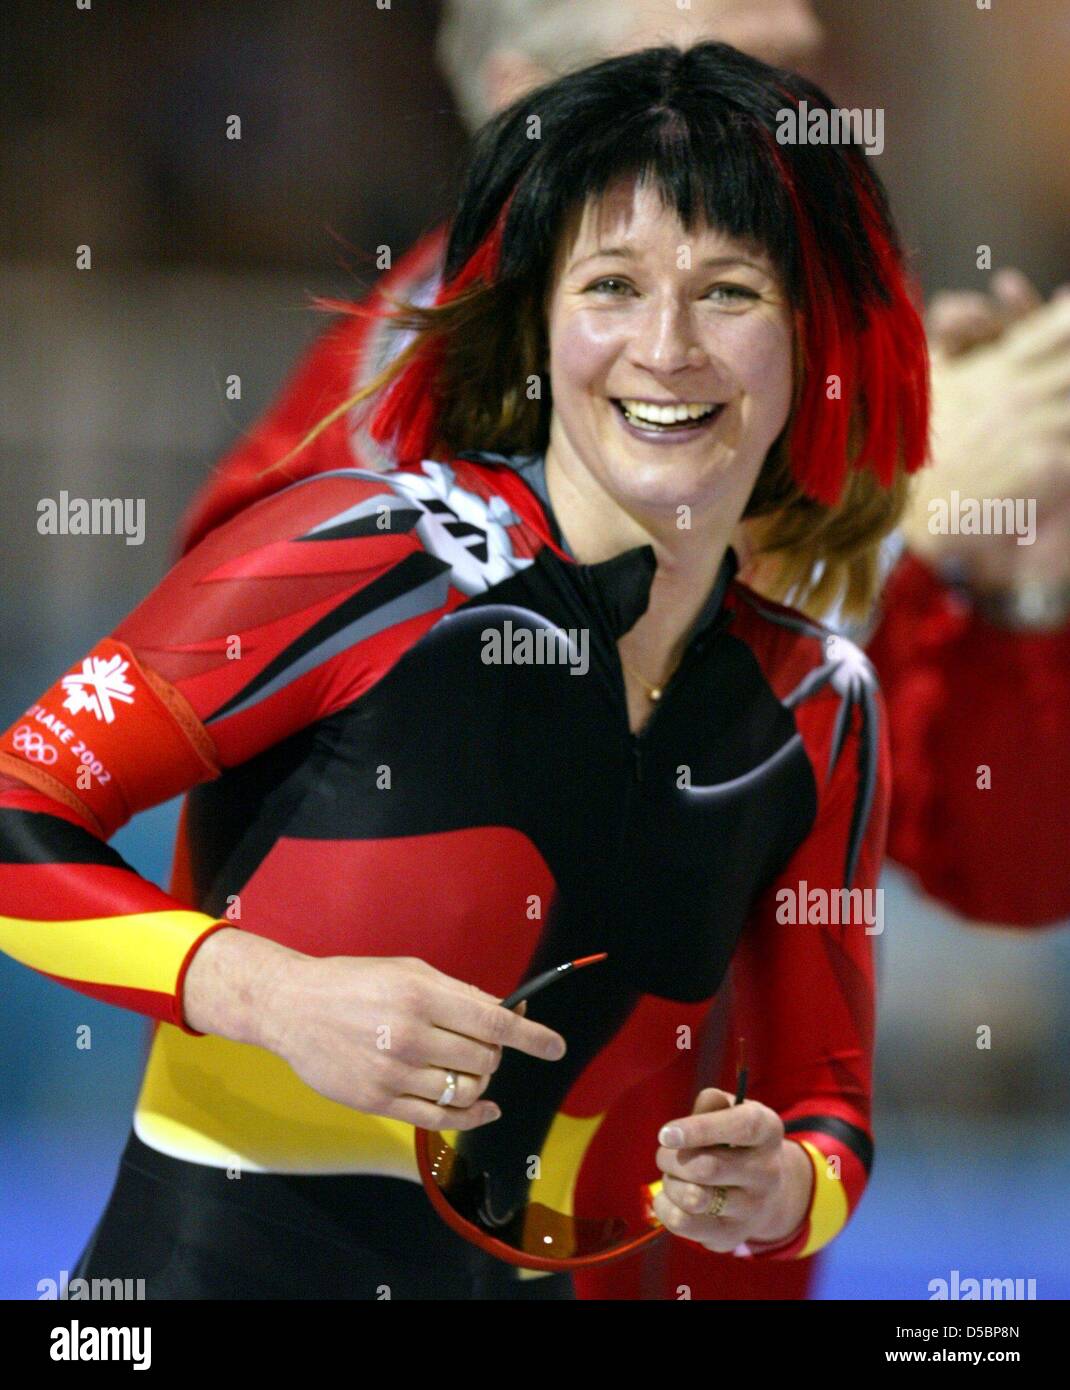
column 662, row 324
column 633, row 236
column 680, row 333
column 670, row 364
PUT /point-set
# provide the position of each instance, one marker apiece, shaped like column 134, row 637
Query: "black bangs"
column 698, row 125
column 702, row 170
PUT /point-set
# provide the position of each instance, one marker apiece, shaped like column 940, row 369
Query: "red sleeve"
column 980, row 728
column 278, row 619
column 803, row 982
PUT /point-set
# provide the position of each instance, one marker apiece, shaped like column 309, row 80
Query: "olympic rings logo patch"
column 32, row 745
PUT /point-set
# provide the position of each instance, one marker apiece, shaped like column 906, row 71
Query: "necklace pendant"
column 655, row 693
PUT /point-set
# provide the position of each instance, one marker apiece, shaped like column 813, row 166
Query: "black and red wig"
column 700, row 125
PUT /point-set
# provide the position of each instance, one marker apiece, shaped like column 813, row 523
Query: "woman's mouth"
column 668, row 419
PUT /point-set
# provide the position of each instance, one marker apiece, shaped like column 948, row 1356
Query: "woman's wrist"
column 230, row 987
column 796, row 1196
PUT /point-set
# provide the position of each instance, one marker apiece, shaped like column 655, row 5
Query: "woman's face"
column 670, row 358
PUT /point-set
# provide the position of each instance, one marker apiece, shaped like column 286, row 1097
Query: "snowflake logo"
column 96, row 685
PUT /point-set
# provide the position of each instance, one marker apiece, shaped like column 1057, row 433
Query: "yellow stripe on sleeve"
column 829, row 1208
column 137, row 950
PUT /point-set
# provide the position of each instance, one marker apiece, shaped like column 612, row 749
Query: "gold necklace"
column 653, row 692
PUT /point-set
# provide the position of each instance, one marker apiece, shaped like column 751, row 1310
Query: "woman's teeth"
column 662, row 416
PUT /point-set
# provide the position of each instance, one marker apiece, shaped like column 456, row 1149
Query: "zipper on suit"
column 696, row 648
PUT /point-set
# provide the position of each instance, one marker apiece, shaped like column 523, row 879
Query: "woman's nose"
column 667, row 341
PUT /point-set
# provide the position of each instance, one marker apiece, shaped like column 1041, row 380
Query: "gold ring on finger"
column 717, row 1205
column 446, row 1098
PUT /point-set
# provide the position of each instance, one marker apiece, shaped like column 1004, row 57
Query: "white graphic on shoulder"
column 96, row 685
column 465, row 530
column 468, row 533
column 852, row 668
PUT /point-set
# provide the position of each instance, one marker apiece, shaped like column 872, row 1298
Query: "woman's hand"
column 767, row 1179
column 380, row 1033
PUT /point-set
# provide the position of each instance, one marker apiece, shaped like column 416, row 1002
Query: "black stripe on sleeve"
column 853, row 1138
column 35, row 837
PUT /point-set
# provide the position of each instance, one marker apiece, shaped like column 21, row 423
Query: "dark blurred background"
column 205, row 252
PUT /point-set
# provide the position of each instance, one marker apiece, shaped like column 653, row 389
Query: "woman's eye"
column 610, row 285
column 734, row 292
column 726, row 294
